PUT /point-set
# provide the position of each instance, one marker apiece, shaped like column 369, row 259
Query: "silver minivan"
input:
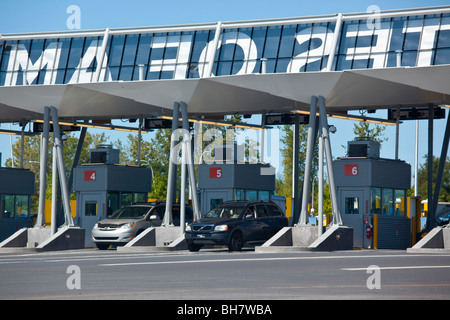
column 129, row 221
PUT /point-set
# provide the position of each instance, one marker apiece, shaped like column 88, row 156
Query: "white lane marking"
column 398, row 268
column 247, row 259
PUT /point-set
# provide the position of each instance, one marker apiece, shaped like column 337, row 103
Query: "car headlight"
column 222, row 227
column 96, row 226
column 188, row 228
column 127, row 225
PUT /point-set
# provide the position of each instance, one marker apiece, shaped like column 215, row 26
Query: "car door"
column 265, row 223
column 250, row 225
column 277, row 217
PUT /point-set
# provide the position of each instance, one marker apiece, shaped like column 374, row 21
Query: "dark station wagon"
column 235, row 223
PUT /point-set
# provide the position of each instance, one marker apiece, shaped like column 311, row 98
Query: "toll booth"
column 16, row 189
column 103, row 185
column 227, row 179
column 372, row 196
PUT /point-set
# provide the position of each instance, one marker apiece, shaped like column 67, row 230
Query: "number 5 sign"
column 351, row 170
column 215, row 173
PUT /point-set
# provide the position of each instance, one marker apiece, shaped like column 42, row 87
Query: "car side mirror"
column 154, row 217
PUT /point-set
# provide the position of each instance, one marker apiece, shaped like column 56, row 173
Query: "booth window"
column 252, row 195
column 264, row 195
column 375, row 201
column 352, row 205
column 15, row 206
column 22, row 206
column 400, row 202
column 90, row 208
column 140, row 197
column 7, row 206
column 388, row 201
column 126, row 199
column 113, row 202
column 239, row 194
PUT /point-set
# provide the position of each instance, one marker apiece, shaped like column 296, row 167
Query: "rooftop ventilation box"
column 364, row 147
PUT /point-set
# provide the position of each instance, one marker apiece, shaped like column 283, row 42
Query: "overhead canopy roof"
column 249, row 94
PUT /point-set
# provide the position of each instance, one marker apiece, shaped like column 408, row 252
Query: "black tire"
column 192, row 247
column 236, row 242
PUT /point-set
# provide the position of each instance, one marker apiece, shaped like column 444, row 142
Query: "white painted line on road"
column 246, row 259
column 398, row 268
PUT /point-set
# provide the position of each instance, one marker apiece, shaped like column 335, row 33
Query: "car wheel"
column 192, row 247
column 236, row 242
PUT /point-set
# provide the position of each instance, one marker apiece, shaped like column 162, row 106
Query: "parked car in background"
column 443, row 214
column 235, row 223
column 129, row 221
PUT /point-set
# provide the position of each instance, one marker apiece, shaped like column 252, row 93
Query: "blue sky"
column 50, row 15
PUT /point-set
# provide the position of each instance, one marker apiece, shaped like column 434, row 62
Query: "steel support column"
column 308, row 161
column 440, row 172
column 320, row 186
column 171, row 179
column 337, row 219
column 190, row 164
column 295, row 170
column 61, row 168
column 430, row 215
column 40, row 220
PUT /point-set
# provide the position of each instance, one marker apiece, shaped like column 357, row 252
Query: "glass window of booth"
column 375, row 200
column 400, row 203
column 14, row 206
column 388, row 201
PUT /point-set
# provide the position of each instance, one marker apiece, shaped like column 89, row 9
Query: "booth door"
column 214, row 198
column 91, row 213
column 352, row 212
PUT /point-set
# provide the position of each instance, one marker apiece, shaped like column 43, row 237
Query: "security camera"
column 332, row 129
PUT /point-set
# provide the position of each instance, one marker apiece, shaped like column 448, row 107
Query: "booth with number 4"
column 103, row 186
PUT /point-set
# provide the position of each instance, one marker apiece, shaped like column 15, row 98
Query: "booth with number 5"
column 229, row 177
column 372, row 190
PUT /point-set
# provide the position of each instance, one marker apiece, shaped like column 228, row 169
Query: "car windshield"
column 225, row 212
column 130, row 213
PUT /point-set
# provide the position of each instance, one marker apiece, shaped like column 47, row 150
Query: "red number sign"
column 90, row 175
column 351, row 170
column 215, row 173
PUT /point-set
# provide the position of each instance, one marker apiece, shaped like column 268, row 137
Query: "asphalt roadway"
column 217, row 274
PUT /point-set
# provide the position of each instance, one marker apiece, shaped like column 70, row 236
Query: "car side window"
column 250, row 213
column 274, row 210
column 158, row 212
column 261, row 211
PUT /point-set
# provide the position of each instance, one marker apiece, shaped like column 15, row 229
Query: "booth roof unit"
column 383, row 173
column 16, row 181
column 235, row 176
column 95, row 177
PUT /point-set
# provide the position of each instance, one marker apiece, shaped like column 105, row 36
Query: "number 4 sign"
column 351, row 170
column 90, row 175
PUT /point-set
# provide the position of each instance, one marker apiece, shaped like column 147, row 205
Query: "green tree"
column 283, row 183
column 423, row 179
column 364, row 129
column 155, row 155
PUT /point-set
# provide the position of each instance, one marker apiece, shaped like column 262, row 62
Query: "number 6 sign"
column 351, row 170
